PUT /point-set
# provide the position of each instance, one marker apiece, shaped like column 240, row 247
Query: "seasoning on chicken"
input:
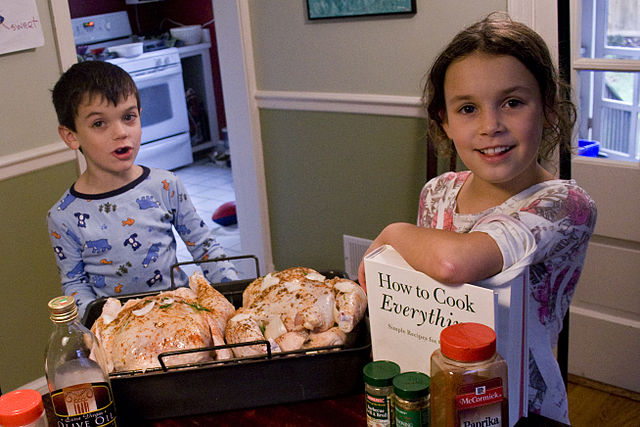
column 134, row 334
column 293, row 309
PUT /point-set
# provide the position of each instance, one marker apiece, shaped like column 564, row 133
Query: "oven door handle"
column 155, row 74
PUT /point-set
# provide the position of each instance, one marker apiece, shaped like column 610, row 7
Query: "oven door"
column 168, row 153
column 162, row 101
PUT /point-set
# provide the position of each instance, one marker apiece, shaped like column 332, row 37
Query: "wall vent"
column 354, row 249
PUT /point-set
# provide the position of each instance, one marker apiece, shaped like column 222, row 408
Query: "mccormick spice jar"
column 468, row 378
column 411, row 400
column 378, row 392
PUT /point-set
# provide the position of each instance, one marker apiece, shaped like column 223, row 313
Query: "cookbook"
column 408, row 310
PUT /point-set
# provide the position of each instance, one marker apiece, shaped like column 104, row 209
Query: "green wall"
column 330, row 174
column 30, row 278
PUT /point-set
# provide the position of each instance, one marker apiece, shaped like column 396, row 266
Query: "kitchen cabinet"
column 196, row 73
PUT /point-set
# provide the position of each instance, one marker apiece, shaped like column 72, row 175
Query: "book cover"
column 408, row 310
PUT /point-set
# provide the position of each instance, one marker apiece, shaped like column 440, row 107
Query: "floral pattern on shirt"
column 561, row 217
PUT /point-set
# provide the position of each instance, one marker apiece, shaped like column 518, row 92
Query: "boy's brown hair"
column 88, row 79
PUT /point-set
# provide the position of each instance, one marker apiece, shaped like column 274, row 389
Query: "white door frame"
column 237, row 67
column 233, row 34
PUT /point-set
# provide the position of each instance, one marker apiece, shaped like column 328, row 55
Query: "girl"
column 494, row 93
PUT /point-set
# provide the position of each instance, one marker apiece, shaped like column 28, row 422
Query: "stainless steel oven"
column 166, row 142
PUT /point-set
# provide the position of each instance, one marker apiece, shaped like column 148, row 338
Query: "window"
column 609, row 78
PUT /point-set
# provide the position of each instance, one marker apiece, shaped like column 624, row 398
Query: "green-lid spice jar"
column 411, row 390
column 378, row 392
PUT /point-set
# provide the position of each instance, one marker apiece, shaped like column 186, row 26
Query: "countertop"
column 193, row 49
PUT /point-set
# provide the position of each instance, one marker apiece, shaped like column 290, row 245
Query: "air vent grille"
column 354, row 249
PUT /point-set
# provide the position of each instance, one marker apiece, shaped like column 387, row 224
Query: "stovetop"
column 93, row 35
column 99, row 51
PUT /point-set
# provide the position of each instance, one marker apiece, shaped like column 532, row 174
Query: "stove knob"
column 158, row 62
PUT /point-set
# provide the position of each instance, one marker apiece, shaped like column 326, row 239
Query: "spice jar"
column 378, row 392
column 411, row 401
column 22, row 408
column 468, row 378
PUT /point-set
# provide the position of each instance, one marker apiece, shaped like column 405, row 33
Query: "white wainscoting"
column 32, row 160
column 388, row 105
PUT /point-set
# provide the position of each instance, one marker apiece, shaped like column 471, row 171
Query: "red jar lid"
column 20, row 407
column 468, row 342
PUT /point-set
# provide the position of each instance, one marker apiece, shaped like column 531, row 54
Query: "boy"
column 112, row 230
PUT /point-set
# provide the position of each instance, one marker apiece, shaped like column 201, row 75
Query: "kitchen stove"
column 157, row 72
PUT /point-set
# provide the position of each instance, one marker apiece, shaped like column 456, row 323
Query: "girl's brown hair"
column 497, row 34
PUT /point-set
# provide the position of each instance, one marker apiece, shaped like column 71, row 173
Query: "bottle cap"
column 468, row 342
column 20, row 407
column 63, row 309
column 380, row 373
column 411, row 385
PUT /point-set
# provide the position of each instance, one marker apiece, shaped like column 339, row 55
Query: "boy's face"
column 108, row 134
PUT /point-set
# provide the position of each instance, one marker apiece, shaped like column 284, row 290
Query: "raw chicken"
column 135, row 334
column 293, row 309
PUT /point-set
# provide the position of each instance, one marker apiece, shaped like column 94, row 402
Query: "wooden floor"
column 597, row 404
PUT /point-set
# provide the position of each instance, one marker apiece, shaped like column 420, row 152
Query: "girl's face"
column 495, row 117
column 108, row 134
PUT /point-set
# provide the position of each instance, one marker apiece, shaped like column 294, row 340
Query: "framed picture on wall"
column 328, row 9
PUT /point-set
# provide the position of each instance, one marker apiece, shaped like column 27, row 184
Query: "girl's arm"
column 446, row 256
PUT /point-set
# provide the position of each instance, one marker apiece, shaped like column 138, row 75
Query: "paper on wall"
column 20, row 26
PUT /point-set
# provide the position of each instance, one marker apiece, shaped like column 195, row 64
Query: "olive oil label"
column 480, row 404
column 86, row 405
column 378, row 410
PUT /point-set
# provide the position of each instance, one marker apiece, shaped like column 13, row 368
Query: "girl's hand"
column 379, row 241
column 382, row 239
column 361, row 278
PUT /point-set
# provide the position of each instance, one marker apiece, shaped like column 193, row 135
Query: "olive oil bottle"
column 76, row 370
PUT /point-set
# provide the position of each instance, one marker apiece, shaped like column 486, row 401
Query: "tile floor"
column 209, row 185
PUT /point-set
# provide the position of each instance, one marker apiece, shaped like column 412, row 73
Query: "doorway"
column 232, row 30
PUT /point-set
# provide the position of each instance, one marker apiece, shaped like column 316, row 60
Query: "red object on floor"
column 225, row 214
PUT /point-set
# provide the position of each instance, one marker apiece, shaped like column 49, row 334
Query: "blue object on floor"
column 225, row 214
column 588, row 148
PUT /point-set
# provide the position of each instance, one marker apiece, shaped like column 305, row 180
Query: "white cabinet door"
column 605, row 312
column 604, row 329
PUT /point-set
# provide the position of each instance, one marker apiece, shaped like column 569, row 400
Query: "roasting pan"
column 275, row 378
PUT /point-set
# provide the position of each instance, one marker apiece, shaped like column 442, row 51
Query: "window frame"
column 589, row 118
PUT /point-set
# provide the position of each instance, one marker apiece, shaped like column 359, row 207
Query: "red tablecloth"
column 339, row 411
